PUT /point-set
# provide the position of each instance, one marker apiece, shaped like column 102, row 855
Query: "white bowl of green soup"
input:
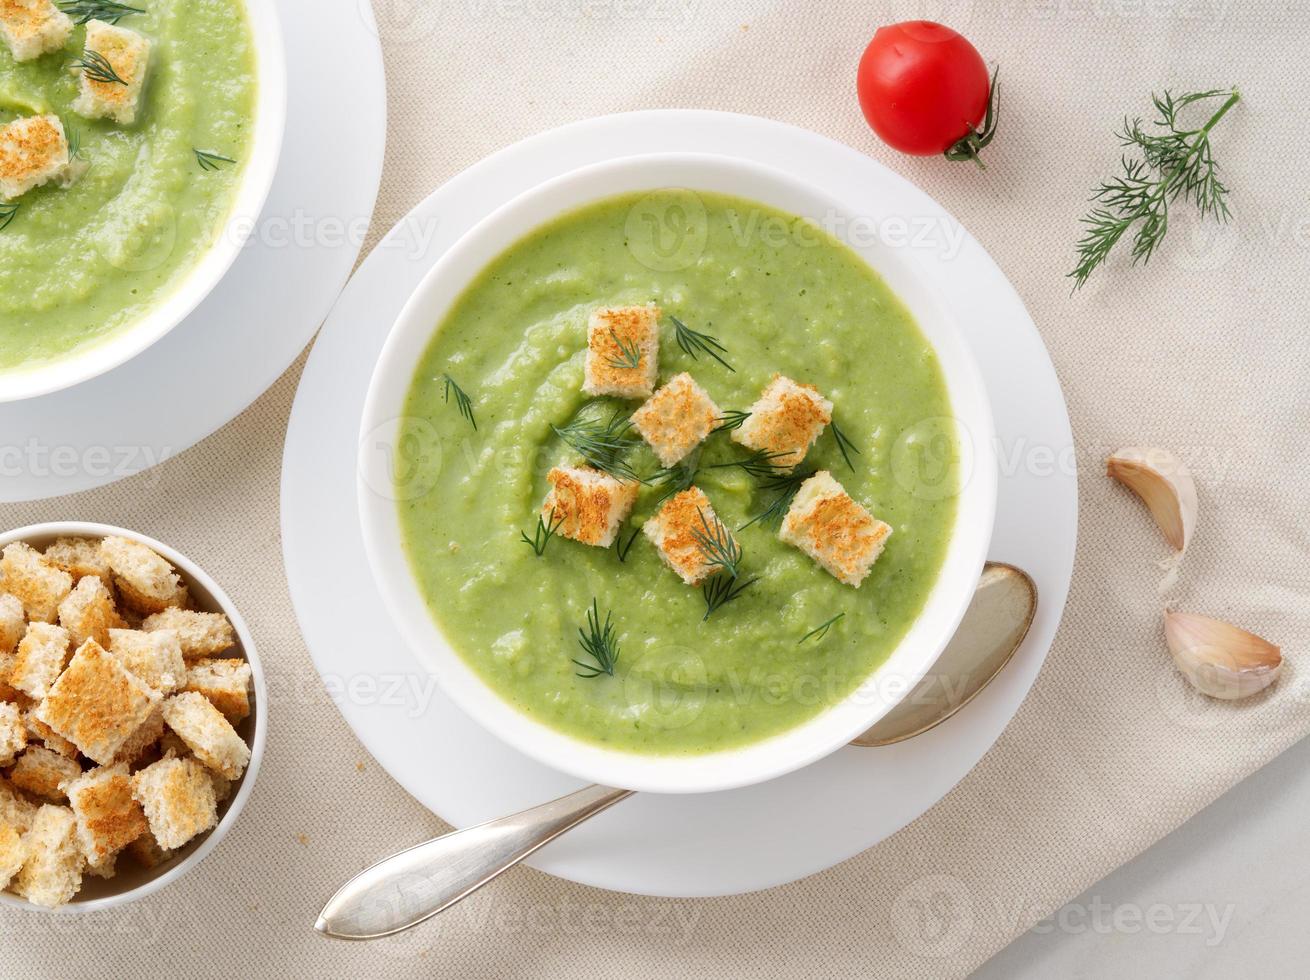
column 599, row 659
column 150, row 188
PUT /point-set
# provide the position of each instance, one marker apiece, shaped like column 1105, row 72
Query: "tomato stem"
column 968, row 146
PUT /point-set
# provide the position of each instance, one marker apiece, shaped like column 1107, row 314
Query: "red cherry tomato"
column 924, row 89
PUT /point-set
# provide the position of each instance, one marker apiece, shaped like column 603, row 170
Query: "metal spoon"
column 411, row 887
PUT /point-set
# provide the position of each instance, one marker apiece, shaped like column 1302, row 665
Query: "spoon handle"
column 410, row 887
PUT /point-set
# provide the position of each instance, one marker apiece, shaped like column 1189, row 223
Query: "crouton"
column 201, row 634
column 38, row 585
column 676, row 419
column 222, row 787
column 170, row 741
column 96, row 704
column 47, row 736
column 785, row 422
column 41, row 772
column 686, row 532
column 178, row 798
column 13, row 624
column 15, row 808
column 88, row 612
column 622, row 351
column 145, row 581
column 13, row 733
column 105, row 869
column 114, row 97
column 32, row 28
column 146, row 737
column 12, row 853
column 79, row 557
column 207, row 734
column 40, row 659
column 587, row 504
column 9, row 694
column 145, row 850
column 155, row 657
column 225, row 683
column 825, row 523
column 108, row 816
column 33, row 151
column 52, row 871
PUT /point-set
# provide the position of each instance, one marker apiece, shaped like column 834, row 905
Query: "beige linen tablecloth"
column 1204, row 351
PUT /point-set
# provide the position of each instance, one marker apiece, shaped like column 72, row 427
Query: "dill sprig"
column 676, row 478
column 695, row 343
column 967, row 148
column 544, row 532
column 820, row 631
column 717, row 546
column 1175, row 163
column 784, row 487
column 74, row 137
column 97, row 68
column 629, row 356
column 729, row 421
column 462, row 400
column 603, row 445
column 759, row 464
column 7, row 214
column 720, row 589
column 85, row 11
column 209, row 160
column 844, row 444
column 622, row 548
column 598, row 642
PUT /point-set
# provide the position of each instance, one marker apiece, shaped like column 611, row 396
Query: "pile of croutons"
column 116, row 713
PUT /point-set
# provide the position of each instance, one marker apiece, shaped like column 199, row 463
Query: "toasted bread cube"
column 52, row 871
column 40, row 659
column 38, row 585
column 222, row 787
column 587, row 504
column 145, row 851
column 207, row 734
column 171, row 742
column 129, row 55
column 178, row 798
column 12, row 853
column 13, row 624
column 13, row 733
column 155, row 657
column 79, row 557
column 623, row 345
column 9, row 694
column 32, row 28
column 96, row 704
column 680, row 530
column 676, row 419
column 145, row 581
column 33, row 151
column 785, row 422
column 88, row 612
column 39, row 731
column 145, row 738
column 108, row 816
column 201, row 634
column 15, row 808
column 226, row 685
column 41, row 772
column 834, row 530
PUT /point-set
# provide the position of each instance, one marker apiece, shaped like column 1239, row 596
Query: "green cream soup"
column 80, row 264
column 781, row 296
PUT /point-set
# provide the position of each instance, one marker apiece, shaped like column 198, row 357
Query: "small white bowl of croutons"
column 133, row 714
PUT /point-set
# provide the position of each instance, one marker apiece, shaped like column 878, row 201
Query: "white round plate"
column 260, row 317
column 668, row 845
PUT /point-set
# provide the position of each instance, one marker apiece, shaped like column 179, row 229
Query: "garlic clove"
column 1165, row 485
column 1219, row 659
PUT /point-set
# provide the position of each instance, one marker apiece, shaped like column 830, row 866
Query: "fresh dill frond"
column 462, row 400
column 621, row 548
column 542, row 535
column 820, row 631
column 209, row 160
column 74, row 137
column 603, row 445
column 844, row 444
column 7, row 214
column 784, row 487
column 85, row 11
column 629, row 356
column 720, row 589
column 695, row 343
column 729, row 421
column 759, row 464
column 676, row 478
column 1175, row 163
column 717, row 546
column 600, row 643
column 97, row 68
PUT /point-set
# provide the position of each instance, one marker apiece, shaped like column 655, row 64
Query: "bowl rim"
column 193, row 573
column 379, row 516
column 122, row 345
